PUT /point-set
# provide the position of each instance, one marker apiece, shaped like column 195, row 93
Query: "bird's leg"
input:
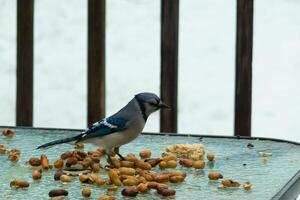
column 109, row 160
column 109, row 153
column 117, row 149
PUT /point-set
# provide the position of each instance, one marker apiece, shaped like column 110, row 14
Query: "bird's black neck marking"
column 142, row 108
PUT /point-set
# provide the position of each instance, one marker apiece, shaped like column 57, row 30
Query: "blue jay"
column 120, row 128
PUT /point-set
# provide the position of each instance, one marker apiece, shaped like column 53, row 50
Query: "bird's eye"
column 153, row 104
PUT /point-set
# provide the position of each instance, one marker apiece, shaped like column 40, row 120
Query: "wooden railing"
column 243, row 63
column 169, row 63
column 96, row 60
column 24, row 62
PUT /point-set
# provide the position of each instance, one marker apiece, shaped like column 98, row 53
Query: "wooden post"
column 24, row 112
column 96, row 60
column 243, row 85
column 169, row 64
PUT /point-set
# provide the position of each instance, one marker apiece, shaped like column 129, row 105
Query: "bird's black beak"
column 162, row 105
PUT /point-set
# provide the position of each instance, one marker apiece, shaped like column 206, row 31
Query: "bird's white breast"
column 118, row 139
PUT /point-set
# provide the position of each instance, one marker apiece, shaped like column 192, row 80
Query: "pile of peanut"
column 135, row 174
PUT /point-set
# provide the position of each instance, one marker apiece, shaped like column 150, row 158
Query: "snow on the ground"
column 206, row 63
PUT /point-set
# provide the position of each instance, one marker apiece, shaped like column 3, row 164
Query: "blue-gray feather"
column 104, row 127
column 98, row 129
column 145, row 96
column 61, row 141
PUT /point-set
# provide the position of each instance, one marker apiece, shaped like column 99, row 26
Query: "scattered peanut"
column 210, row 156
column 171, row 164
column 44, row 162
column 186, row 162
column 152, row 185
column 86, row 192
column 34, row 161
column 2, row 149
column 247, row 185
column 116, row 163
column 130, row 192
column 230, row 183
column 162, row 178
column 130, row 181
column 57, row 175
column 166, row 192
column 169, row 156
column 127, row 171
column 95, row 167
column 142, row 165
column 145, row 154
column 58, row 164
column 114, row 178
column 85, row 163
column 36, row 174
column 14, row 155
column 98, row 181
column 161, row 186
column 125, row 163
column 8, row 132
column 143, row 188
column 153, row 161
column 176, row 179
column 131, row 157
column 65, row 178
column 163, row 165
column 215, row 175
column 66, row 155
column 84, row 178
column 58, row 192
column 17, row 183
column 71, row 161
column 199, row 164
column 176, row 173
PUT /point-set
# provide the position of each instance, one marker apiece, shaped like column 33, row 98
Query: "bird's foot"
column 117, row 150
column 107, row 167
column 121, row 157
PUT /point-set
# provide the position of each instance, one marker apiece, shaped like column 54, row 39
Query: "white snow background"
column 206, row 63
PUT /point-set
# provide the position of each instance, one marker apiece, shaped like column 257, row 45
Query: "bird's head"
column 150, row 103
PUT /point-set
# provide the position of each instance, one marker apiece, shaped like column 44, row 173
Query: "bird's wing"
column 103, row 127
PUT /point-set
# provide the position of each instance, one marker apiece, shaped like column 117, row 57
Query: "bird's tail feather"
column 61, row 141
